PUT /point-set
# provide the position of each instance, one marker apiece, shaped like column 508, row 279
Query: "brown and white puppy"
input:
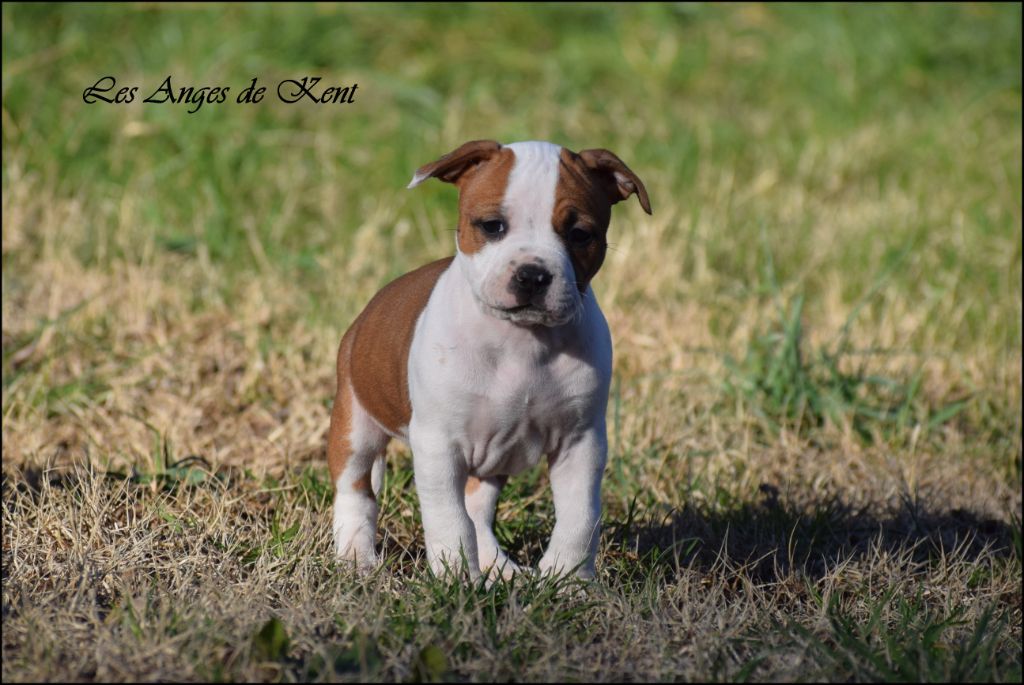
column 487, row 361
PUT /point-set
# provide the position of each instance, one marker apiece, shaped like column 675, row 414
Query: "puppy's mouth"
column 522, row 308
column 530, row 314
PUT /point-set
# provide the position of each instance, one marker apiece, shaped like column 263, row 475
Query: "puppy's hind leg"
column 355, row 450
column 481, row 500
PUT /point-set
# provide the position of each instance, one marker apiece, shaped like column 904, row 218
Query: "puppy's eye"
column 494, row 228
column 580, row 236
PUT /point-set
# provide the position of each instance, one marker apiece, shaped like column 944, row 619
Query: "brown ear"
column 620, row 180
column 450, row 167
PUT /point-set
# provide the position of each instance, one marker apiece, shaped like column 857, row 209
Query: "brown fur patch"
column 362, row 484
column 339, row 448
column 380, row 341
column 450, row 167
column 617, row 179
column 581, row 201
column 481, row 192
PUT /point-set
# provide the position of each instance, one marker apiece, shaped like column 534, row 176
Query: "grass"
column 815, row 429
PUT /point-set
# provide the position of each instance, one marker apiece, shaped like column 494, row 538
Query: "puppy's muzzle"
column 530, row 282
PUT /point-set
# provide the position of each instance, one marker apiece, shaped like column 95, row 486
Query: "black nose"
column 532, row 279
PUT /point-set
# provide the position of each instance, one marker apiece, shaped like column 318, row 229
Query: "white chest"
column 503, row 396
column 520, row 409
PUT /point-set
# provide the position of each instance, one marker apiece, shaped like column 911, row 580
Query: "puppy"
column 486, row 361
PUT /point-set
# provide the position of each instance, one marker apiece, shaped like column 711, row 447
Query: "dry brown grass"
column 107, row 579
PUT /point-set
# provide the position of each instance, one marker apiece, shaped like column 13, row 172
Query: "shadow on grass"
column 771, row 539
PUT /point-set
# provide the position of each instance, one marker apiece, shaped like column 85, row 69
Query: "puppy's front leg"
column 440, row 483
column 575, row 475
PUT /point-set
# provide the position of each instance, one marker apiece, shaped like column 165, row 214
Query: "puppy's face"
column 533, row 219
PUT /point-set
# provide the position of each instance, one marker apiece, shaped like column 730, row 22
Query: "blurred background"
column 835, row 247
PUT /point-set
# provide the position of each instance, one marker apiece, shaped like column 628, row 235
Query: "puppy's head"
column 533, row 219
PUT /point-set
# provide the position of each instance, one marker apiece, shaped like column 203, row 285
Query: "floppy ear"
column 619, row 180
column 450, row 167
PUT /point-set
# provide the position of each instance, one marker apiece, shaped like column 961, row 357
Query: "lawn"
column 815, row 417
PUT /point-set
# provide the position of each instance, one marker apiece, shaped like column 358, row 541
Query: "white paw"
column 359, row 553
column 556, row 565
column 500, row 567
column 445, row 563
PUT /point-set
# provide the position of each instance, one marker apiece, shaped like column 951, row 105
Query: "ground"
column 814, row 425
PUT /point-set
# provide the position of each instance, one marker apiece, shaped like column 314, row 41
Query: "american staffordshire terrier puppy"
column 487, row 361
